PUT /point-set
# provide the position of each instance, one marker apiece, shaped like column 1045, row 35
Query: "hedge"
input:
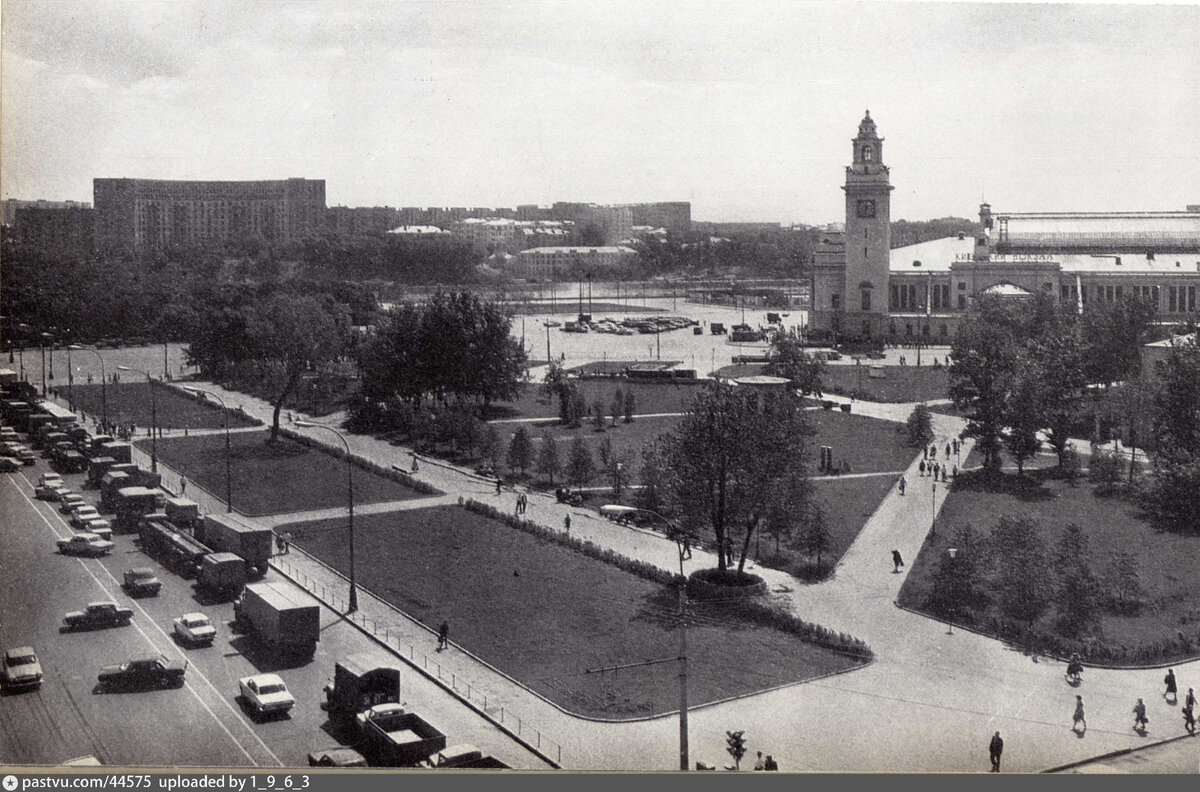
column 751, row 610
column 399, row 476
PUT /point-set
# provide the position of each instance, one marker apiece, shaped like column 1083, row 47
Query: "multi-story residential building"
column 862, row 289
column 673, row 216
column 11, row 205
column 143, row 214
column 353, row 220
column 63, row 230
column 569, row 263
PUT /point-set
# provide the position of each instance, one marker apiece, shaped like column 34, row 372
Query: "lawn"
column 649, row 397
column 129, row 403
column 1168, row 561
column 900, row 383
column 275, row 478
column 545, row 614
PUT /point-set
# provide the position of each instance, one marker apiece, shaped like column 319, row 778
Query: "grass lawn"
column 1168, row 561
column 649, row 397
column 545, row 614
column 901, row 383
column 129, row 403
column 273, row 478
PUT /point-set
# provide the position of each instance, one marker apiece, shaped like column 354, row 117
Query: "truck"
column 183, row 513
column 71, row 461
column 131, row 504
column 359, row 684
column 223, row 533
column 221, row 574
column 122, row 452
column 281, row 617
column 463, row 756
column 110, row 483
column 97, row 467
column 401, row 739
column 175, row 548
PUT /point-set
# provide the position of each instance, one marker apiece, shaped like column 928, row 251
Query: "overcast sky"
column 745, row 109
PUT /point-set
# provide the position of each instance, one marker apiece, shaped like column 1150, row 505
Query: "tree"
column 1076, row 600
column 653, row 476
column 1123, row 583
column 815, row 538
column 735, row 744
column 980, row 380
column 618, row 404
column 599, row 408
column 1061, row 381
column 788, row 358
column 919, row 427
column 1024, row 412
column 614, row 465
column 728, row 456
column 548, row 463
column 580, row 467
column 1174, row 492
column 630, row 401
column 1022, row 571
column 1112, row 334
column 489, row 445
column 559, row 383
column 955, row 581
column 520, row 451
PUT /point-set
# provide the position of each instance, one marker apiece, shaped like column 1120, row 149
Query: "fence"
column 459, row 686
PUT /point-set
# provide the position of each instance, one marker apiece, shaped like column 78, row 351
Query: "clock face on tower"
column 866, row 208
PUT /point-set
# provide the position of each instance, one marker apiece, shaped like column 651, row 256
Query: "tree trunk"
column 287, row 391
column 746, row 545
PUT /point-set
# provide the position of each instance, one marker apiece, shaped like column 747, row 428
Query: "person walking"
column 287, row 542
column 1189, row 701
column 443, row 636
column 924, row 453
column 687, row 547
column 770, row 765
column 1079, row 717
column 497, row 485
column 897, row 561
column 947, row 450
column 937, row 468
column 567, row 523
column 1169, row 680
column 922, row 468
column 1139, row 717
column 995, row 749
column 1189, row 712
column 903, row 484
column 182, row 486
column 933, row 452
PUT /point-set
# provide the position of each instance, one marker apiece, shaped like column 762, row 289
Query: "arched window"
column 868, row 153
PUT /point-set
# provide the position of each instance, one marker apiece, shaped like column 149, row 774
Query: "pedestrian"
column 687, row 547
column 933, row 452
column 287, row 543
column 1190, row 701
column 924, row 453
column 497, row 485
column 922, row 467
column 770, row 765
column 443, row 636
column 182, row 486
column 937, row 467
column 1079, row 718
column 1189, row 719
column 947, row 450
column 956, row 471
column 758, row 762
column 903, row 484
column 897, row 560
column 415, row 465
column 943, row 473
column 1139, row 717
column 1169, row 679
column 995, row 748
column 567, row 523
column 524, row 503
column 279, row 543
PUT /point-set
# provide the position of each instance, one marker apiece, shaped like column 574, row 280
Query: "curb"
column 1114, row 754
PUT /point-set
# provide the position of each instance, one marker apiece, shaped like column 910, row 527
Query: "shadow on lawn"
column 1029, row 488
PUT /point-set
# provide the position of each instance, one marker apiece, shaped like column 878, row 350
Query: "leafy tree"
column 630, row 401
column 1112, row 335
column 559, row 383
column 654, row 477
column 788, row 358
column 578, row 409
column 955, row 581
column 814, row 536
column 580, row 467
column 489, row 445
column 1122, row 580
column 1061, row 380
column 598, row 411
column 1174, row 491
column 618, row 404
column 985, row 354
column 735, row 744
column 1076, row 600
column 1023, row 580
column 615, row 466
column 728, row 456
column 1024, row 413
column 520, row 450
column 548, row 463
column 919, row 427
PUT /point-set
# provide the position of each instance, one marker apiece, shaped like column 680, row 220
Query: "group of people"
column 1140, row 719
column 522, row 502
column 768, row 763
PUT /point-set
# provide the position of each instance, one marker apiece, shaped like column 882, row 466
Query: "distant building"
column 354, row 220
column 735, row 229
column 146, row 214
column 55, row 230
column 615, row 223
column 569, row 263
column 674, row 216
column 1155, row 355
column 498, row 234
column 418, row 230
column 863, row 289
column 11, row 205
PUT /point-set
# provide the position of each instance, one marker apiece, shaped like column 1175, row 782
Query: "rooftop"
column 1101, row 229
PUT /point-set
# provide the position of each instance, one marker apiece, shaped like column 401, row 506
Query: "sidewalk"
column 929, row 702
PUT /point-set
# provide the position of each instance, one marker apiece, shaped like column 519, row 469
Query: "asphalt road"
column 200, row 724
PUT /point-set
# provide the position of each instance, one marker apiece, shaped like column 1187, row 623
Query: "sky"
column 745, row 108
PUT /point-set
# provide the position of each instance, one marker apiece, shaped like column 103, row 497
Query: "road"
column 200, row 724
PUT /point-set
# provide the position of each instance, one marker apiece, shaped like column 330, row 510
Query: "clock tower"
column 867, row 237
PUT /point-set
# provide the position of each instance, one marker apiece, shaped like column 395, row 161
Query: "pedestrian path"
column 929, row 702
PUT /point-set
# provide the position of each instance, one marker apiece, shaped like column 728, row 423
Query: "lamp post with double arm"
column 353, row 606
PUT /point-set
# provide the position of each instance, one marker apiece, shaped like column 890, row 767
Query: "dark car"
column 142, row 582
column 159, row 671
column 98, row 614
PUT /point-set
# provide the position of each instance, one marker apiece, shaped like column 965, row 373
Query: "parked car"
column 99, row 526
column 337, row 756
column 68, row 503
column 158, row 671
column 194, row 629
column 142, row 582
column 26, row 456
column 57, row 494
column 99, row 614
column 9, row 465
column 265, row 693
column 19, row 668
column 85, row 544
column 81, row 515
column 47, row 487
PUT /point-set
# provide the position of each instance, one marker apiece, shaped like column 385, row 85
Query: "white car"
column 194, row 629
column 70, row 502
column 265, row 693
column 82, row 515
column 378, row 711
column 99, row 526
column 87, row 544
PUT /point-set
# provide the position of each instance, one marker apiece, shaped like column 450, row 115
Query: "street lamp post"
column 353, row 606
column 103, row 385
column 228, row 452
column 953, row 551
column 153, row 417
column 933, row 509
column 42, row 344
column 70, row 380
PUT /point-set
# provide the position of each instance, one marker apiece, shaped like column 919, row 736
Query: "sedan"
column 9, row 465
column 49, row 490
column 82, row 515
column 85, row 544
column 194, row 629
column 26, row 456
column 69, row 503
column 265, row 693
column 19, row 668
column 158, row 671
